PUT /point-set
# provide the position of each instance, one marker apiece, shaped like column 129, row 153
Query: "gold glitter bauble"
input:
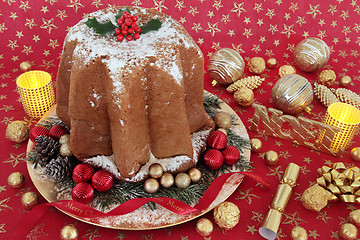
column 156, row 170
column 299, row 233
column 226, row 215
column 69, row 232
column 271, row 62
column 327, row 77
column 17, row 131
column 354, row 217
column 204, row 227
column 355, row 153
column 151, row 185
column 345, row 81
column 271, row 157
column 194, row 174
column 65, row 150
column 286, row 70
column 64, row 139
column 244, row 96
column 182, row 180
column 222, row 120
column 167, row 180
column 226, row 66
column 257, row 65
column 348, row 231
column 314, row 198
column 256, row 145
column 29, row 200
column 16, row 180
column 25, row 66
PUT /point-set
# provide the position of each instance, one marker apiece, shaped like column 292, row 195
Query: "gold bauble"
column 286, row 70
column 16, row 180
column 271, row 62
column 348, row 231
column 64, row 139
column 167, row 180
column 25, row 66
column 65, row 150
column 226, row 66
column 327, row 77
column 271, row 157
column 257, row 65
column 194, row 174
column 299, row 233
column 354, row 217
column 17, row 131
column 256, row 145
column 29, row 200
column 223, row 130
column 222, row 120
column 292, row 93
column 226, row 215
column 182, row 180
column 345, row 81
column 311, row 54
column 156, row 170
column 244, row 96
column 69, row 232
column 355, row 154
column 151, row 185
column 204, row 227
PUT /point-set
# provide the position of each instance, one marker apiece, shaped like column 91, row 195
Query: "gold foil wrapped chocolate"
column 204, row 227
column 311, row 54
column 226, row 66
column 348, row 231
column 226, row 215
column 272, row 220
column 299, row 233
column 314, row 198
column 17, row 131
column 354, row 217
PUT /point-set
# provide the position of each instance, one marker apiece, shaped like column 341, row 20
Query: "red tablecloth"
column 34, row 31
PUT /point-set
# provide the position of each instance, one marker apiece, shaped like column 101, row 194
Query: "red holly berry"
column 134, row 25
column 82, row 172
column 120, row 21
column 125, row 14
column 102, row 180
column 136, row 36
column 124, row 32
column 213, row 158
column 138, row 29
column 117, row 30
column 120, row 37
column 124, row 27
column 57, row 131
column 38, row 131
column 130, row 30
column 83, row 193
column 129, row 37
column 134, row 18
column 217, row 140
column 128, row 21
column 231, row 154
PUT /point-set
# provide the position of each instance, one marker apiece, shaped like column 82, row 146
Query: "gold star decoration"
column 48, row 24
column 3, row 204
column 15, row 159
column 2, row 228
column 121, row 235
column 257, row 216
column 159, row 5
column 30, row 23
column 37, row 232
column 323, row 216
column 247, row 195
column 238, row 8
column 212, row 28
column 24, row 5
column 313, row 234
column 314, row 10
column 91, row 234
column 97, row 3
column 2, row 188
column 179, row 5
column 251, row 229
column 75, row 4
column 292, row 219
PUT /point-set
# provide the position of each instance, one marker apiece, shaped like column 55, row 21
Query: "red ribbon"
column 83, row 211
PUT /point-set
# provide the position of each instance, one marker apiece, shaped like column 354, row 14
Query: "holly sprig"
column 108, row 27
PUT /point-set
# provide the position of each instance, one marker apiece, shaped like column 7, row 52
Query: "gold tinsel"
column 347, row 96
column 251, row 82
column 324, row 95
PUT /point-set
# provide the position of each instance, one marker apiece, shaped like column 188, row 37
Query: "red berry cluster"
column 128, row 27
column 220, row 152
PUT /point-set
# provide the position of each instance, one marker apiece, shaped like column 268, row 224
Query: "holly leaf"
column 120, row 13
column 100, row 28
column 152, row 25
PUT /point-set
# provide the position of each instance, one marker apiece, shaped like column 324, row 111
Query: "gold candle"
column 345, row 117
column 36, row 92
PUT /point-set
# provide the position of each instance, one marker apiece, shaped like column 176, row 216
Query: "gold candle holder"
column 36, row 92
column 345, row 117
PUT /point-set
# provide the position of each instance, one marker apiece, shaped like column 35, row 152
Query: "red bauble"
column 231, row 154
column 213, row 158
column 217, row 140
column 38, row 131
column 102, row 180
column 82, row 172
column 83, row 192
column 57, row 131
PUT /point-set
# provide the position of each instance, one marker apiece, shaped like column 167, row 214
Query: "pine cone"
column 46, row 149
column 59, row 168
column 324, row 95
column 251, row 82
column 347, row 96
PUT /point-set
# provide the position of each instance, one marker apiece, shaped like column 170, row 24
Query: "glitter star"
column 257, row 217
column 196, row 27
column 231, row 32
column 293, row 219
column 98, row 3
column 2, row 188
column 217, row 5
column 323, row 216
column 24, row 5
column 247, row 33
column 179, row 5
column 273, row 29
column 30, row 23
column 44, row 9
column 294, row 7
column 307, row 160
column 238, row 48
column 159, row 5
column 61, row 14
column 48, row 24
column 314, row 10
column 288, row 30
column 2, row 27
column 251, row 229
column 238, row 8
column 13, row 15
column 270, row 13
column 75, row 4
column 210, row 14
column 212, row 28
column 247, row 195
column 332, row 9
column 193, row 11
column 225, row 18
column 313, row 234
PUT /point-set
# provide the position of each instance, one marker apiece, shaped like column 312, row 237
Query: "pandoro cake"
column 133, row 100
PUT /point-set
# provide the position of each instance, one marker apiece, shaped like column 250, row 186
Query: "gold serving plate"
column 142, row 218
